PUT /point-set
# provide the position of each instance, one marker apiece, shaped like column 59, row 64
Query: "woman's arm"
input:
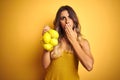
column 82, row 48
column 46, row 59
column 83, row 53
column 46, row 54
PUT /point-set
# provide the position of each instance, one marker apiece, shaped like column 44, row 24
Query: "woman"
column 62, row 62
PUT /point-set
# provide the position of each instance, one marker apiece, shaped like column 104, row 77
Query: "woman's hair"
column 57, row 25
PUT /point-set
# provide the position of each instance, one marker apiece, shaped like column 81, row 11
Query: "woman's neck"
column 65, row 45
column 64, row 42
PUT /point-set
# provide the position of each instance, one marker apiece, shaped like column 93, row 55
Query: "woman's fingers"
column 46, row 28
column 70, row 33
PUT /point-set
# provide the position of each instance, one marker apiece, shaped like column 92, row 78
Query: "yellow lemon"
column 48, row 47
column 53, row 33
column 54, row 41
column 46, row 37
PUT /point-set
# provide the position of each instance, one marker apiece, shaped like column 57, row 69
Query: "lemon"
column 48, row 47
column 54, row 41
column 46, row 37
column 53, row 33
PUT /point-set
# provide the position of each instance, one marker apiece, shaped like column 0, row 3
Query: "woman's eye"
column 62, row 18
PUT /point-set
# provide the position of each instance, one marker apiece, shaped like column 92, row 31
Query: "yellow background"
column 22, row 22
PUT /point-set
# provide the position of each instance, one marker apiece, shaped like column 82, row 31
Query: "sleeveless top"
column 64, row 67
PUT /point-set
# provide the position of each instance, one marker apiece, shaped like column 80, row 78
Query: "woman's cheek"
column 63, row 25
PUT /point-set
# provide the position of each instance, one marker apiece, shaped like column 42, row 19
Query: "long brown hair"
column 57, row 26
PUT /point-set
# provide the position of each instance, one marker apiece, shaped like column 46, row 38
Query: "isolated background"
column 22, row 22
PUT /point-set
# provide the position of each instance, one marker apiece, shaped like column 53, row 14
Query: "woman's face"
column 65, row 19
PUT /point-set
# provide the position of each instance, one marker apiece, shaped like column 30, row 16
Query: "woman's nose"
column 67, row 21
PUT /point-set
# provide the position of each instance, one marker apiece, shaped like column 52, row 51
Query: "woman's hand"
column 70, row 33
column 45, row 29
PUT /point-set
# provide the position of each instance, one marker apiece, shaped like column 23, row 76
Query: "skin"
column 82, row 48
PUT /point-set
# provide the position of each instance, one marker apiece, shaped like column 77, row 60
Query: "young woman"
column 62, row 62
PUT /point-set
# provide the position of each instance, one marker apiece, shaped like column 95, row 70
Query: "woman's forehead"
column 64, row 13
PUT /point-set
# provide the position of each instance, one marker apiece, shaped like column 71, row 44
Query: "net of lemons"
column 50, row 39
